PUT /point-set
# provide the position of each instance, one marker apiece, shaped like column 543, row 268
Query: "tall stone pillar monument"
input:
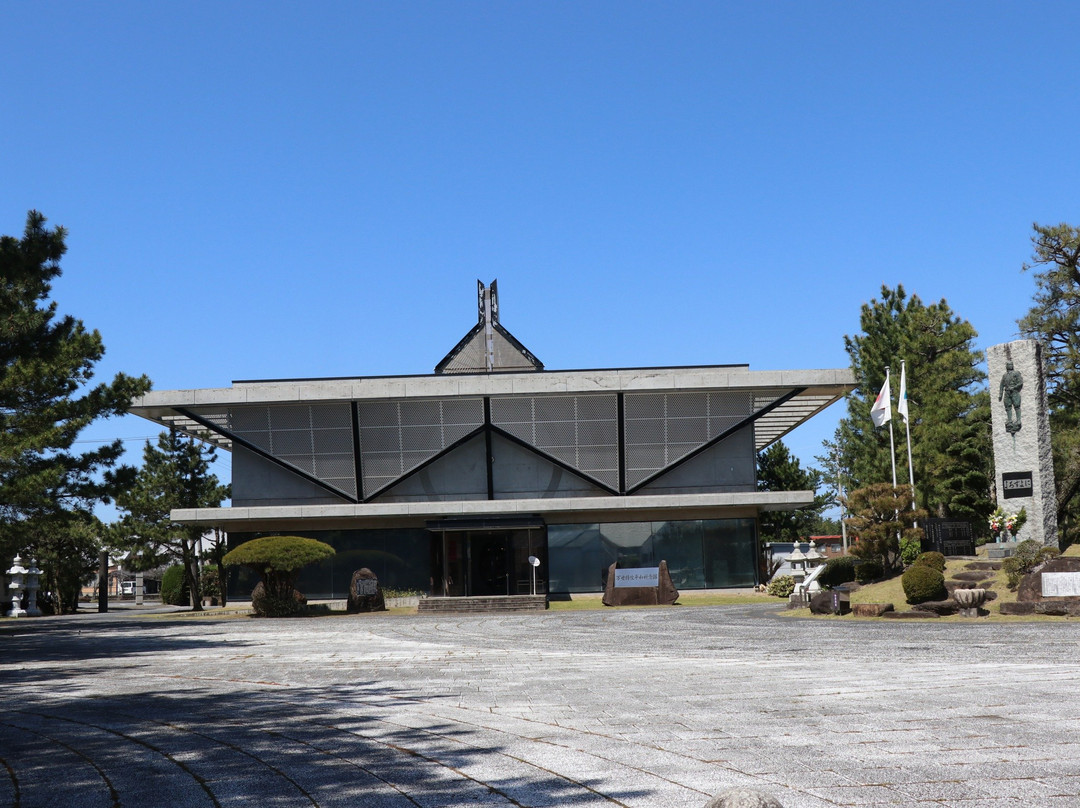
column 1023, row 463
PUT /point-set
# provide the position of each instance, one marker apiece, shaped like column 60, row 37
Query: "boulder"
column 743, row 798
column 830, row 602
column 870, row 609
column 365, row 594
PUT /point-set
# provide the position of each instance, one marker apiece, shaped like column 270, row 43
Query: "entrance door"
column 487, row 562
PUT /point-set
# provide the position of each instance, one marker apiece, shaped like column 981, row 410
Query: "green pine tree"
column 948, row 405
column 779, row 470
column 175, row 474
column 47, row 398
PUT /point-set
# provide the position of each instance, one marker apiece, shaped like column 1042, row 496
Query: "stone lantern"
column 15, row 588
column 797, row 562
column 33, row 576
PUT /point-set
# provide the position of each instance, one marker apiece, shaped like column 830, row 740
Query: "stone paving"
column 634, row 707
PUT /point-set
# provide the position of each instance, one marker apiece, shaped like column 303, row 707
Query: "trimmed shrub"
column 781, row 586
column 869, row 571
column 839, row 570
column 174, row 591
column 910, row 547
column 1029, row 554
column 933, row 560
column 922, row 583
column 277, row 559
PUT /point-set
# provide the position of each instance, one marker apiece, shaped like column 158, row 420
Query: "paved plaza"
column 657, row 708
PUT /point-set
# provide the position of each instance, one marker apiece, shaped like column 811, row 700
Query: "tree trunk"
column 191, row 575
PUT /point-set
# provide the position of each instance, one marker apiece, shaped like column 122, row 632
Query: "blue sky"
column 274, row 190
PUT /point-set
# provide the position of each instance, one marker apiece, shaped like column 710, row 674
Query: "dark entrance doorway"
column 487, row 557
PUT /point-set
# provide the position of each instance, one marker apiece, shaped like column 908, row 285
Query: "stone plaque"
column 1016, row 484
column 640, row 576
column 366, row 587
column 1061, row 584
column 661, row 590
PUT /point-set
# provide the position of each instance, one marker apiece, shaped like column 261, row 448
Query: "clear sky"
column 298, row 189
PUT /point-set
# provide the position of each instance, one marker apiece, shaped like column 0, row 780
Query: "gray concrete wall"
column 256, row 481
column 728, row 466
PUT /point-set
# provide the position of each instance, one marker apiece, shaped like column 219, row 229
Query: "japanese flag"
column 881, row 412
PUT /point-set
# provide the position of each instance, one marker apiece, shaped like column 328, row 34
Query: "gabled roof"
column 488, row 347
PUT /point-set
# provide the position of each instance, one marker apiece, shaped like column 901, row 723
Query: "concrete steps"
column 491, row 603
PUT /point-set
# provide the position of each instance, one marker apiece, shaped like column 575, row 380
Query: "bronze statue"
column 1009, row 393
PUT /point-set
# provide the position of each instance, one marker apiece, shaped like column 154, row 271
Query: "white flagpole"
column 903, row 410
column 892, row 445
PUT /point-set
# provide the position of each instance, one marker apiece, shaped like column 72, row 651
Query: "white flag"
column 901, row 404
column 881, row 412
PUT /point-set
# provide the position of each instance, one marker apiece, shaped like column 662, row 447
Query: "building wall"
column 518, row 473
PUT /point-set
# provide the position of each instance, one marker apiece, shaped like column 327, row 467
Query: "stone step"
column 491, row 603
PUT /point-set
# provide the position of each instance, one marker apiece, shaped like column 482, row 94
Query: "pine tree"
column 47, row 398
column 175, row 474
column 779, row 470
column 949, row 406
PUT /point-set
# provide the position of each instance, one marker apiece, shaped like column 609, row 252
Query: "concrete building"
column 449, row 482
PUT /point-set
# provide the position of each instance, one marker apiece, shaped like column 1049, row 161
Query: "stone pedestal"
column 1023, row 463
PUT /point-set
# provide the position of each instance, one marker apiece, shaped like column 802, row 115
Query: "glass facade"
column 398, row 557
column 700, row 553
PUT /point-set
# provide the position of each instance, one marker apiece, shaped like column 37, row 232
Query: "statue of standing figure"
column 1009, row 393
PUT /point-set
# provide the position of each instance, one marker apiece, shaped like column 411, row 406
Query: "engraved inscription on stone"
column 1017, row 484
column 366, row 587
column 640, row 576
column 1061, row 584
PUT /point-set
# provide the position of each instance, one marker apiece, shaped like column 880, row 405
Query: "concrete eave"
column 828, row 382
column 569, row 510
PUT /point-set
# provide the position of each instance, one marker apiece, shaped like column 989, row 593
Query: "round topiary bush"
column 933, row 560
column 174, row 592
column 922, row 583
column 869, row 571
column 277, row 559
column 839, row 570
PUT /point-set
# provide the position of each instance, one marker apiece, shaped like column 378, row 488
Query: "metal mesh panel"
column 315, row 438
column 398, row 436
column 663, row 428
column 581, row 431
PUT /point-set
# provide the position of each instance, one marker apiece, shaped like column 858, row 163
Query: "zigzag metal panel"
column 398, row 436
column 580, row 431
column 315, row 438
column 662, row 428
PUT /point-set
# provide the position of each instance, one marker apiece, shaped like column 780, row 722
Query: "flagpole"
column 892, row 445
column 907, row 428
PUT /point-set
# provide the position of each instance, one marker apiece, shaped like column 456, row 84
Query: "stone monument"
column 1023, row 463
column 365, row 594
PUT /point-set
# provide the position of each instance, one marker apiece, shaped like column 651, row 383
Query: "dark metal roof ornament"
column 488, row 347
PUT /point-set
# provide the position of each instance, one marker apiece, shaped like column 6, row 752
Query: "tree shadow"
column 157, row 738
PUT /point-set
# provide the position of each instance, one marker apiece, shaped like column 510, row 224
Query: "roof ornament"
column 488, row 347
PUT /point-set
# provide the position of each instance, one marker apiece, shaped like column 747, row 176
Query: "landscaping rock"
column 743, row 798
column 984, row 565
column 870, row 609
column 973, row 575
column 938, row 607
column 830, row 602
column 910, row 615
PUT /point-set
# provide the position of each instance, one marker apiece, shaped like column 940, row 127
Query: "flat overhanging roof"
column 803, row 393
column 574, row 510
